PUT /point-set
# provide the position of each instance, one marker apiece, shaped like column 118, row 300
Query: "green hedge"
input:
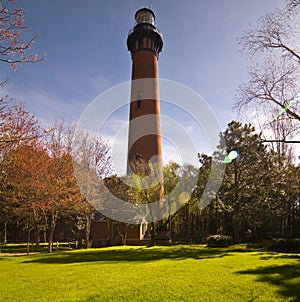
column 218, row 241
column 285, row 245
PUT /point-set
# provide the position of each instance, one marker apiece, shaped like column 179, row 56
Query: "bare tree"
column 294, row 3
column 92, row 163
column 274, row 47
column 276, row 31
column 273, row 86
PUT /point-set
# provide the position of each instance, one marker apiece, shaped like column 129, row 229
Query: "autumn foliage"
column 38, row 186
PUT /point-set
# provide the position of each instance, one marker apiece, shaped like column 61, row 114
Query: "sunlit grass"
column 177, row 273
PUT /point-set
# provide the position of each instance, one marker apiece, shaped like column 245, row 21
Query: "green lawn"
column 177, row 273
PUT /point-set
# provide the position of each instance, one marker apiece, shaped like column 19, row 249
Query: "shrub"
column 285, row 245
column 218, row 241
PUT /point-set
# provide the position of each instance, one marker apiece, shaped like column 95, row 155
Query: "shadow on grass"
column 275, row 255
column 285, row 277
column 131, row 254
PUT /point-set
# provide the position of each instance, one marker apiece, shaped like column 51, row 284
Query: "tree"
column 62, row 195
column 286, row 191
column 38, row 186
column 17, row 125
column 183, row 191
column 92, row 163
column 259, row 195
column 13, row 49
column 281, row 132
column 244, row 191
column 273, row 85
column 17, row 128
column 24, row 189
column 146, row 187
column 171, row 178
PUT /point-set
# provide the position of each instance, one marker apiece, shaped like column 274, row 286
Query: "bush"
column 285, row 245
column 218, row 241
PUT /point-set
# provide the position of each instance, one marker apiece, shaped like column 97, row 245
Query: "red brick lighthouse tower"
column 145, row 43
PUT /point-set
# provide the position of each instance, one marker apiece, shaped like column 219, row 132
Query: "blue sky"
column 85, row 42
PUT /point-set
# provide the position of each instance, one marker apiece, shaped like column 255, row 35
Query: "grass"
column 176, row 273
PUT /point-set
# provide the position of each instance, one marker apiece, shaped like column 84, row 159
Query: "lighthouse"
column 144, row 159
column 144, row 142
column 145, row 43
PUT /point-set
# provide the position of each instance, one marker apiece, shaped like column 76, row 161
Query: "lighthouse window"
column 139, row 100
column 145, row 44
column 139, row 104
column 140, row 43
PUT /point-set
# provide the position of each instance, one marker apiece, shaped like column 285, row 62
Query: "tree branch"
column 280, row 141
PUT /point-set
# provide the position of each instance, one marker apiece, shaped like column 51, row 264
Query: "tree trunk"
column 236, row 214
column 50, row 240
column 186, row 223
column 282, row 228
column 125, row 236
column 5, row 233
column 28, row 240
column 290, row 221
column 36, row 227
column 45, row 236
column 37, row 236
column 51, row 232
column 236, row 231
column 288, row 226
column 88, row 217
column 152, row 234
